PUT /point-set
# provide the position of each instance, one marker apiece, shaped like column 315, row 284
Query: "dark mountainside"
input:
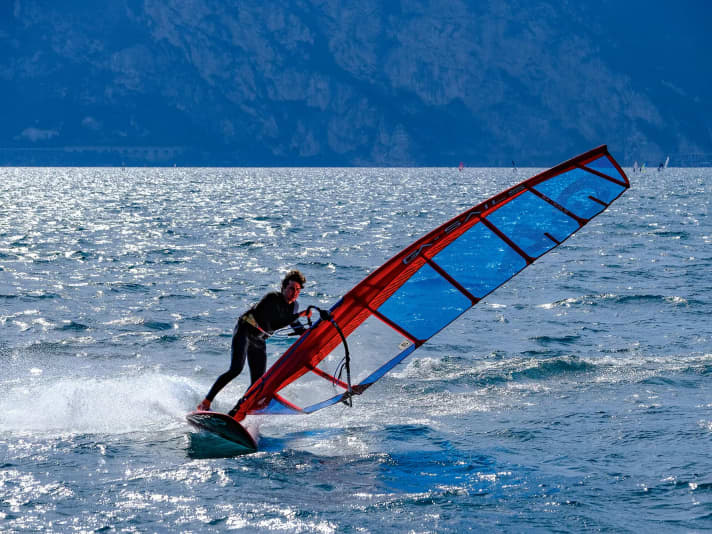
column 221, row 82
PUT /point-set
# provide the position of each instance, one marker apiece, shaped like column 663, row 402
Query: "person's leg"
column 257, row 359
column 237, row 362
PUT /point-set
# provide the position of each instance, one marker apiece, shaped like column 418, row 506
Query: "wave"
column 127, row 323
column 644, row 299
column 593, row 300
column 463, row 372
column 157, row 325
column 118, row 287
column 669, row 233
column 555, row 340
column 73, row 327
column 553, row 368
column 174, row 296
column 38, row 295
column 49, row 349
column 459, row 370
column 79, row 255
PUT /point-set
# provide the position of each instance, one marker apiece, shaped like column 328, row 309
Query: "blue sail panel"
column 425, row 304
column 527, row 220
column 576, row 190
column 604, row 165
column 480, row 261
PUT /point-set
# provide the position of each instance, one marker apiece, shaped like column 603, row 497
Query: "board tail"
column 224, row 426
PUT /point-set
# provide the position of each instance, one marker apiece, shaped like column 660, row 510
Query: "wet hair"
column 295, row 276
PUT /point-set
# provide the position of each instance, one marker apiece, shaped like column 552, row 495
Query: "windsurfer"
column 276, row 310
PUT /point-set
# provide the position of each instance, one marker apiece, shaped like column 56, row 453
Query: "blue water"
column 575, row 398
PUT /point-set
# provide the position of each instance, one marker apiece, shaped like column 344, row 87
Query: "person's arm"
column 296, row 325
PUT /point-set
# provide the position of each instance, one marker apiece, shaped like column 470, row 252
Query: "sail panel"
column 309, row 389
column 387, row 366
column 574, row 190
column 480, row 260
column 606, row 165
column 374, row 341
column 425, row 303
column 528, row 219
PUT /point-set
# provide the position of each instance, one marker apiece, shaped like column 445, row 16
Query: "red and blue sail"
column 430, row 283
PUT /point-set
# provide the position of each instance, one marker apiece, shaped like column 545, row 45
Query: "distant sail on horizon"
column 430, row 283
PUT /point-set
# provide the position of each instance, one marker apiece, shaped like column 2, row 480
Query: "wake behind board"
column 224, row 426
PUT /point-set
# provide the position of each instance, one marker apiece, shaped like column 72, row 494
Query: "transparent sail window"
column 371, row 345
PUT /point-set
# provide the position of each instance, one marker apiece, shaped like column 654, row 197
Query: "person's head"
column 292, row 284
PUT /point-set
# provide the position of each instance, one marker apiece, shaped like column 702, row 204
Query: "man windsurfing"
column 276, row 310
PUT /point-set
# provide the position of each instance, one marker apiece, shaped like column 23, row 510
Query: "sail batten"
column 474, row 300
column 328, row 377
column 604, row 204
column 397, row 327
column 580, row 220
column 602, row 175
column 433, row 281
column 504, row 237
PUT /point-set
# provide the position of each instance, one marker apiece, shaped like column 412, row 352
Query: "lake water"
column 574, row 398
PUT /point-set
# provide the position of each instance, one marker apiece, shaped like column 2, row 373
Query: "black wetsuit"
column 271, row 313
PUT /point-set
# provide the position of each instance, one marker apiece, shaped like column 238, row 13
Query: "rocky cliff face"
column 322, row 82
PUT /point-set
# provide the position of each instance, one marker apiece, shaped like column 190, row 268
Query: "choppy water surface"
column 577, row 397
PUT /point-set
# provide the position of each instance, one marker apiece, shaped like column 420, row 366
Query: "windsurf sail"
column 430, row 283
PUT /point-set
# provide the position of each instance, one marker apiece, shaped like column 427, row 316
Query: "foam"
column 114, row 405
